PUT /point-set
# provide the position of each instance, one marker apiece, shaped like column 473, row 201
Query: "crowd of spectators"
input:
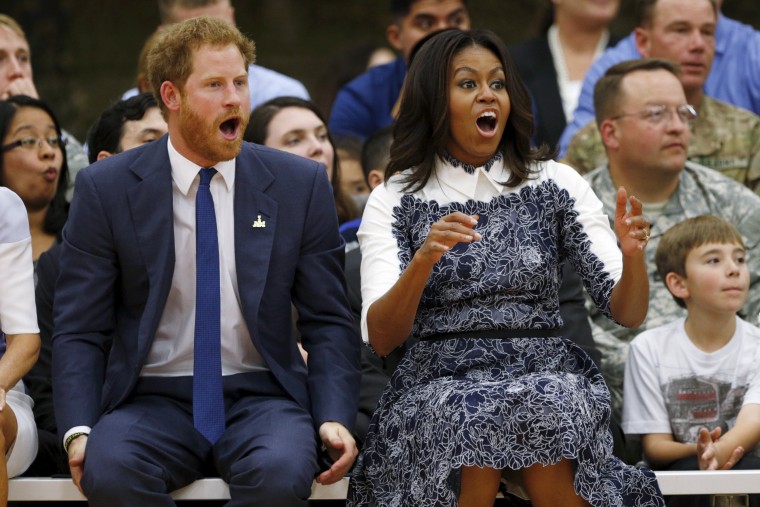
column 669, row 112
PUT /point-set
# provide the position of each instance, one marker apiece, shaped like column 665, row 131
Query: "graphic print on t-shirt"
column 694, row 402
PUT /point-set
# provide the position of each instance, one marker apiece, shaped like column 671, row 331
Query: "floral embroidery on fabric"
column 492, row 403
column 470, row 169
column 489, row 402
column 510, row 278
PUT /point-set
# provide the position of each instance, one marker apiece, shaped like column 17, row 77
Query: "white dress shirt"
column 171, row 353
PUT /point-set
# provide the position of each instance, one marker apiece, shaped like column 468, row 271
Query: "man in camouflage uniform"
column 642, row 113
column 723, row 137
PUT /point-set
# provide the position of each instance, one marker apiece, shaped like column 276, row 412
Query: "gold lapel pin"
column 259, row 223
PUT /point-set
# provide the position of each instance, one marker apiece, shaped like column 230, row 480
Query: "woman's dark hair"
column 422, row 127
column 58, row 211
column 258, row 130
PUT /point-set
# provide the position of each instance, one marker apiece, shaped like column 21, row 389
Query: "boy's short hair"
column 376, row 152
column 685, row 236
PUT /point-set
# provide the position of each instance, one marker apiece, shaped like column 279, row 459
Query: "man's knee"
column 111, row 474
column 277, row 478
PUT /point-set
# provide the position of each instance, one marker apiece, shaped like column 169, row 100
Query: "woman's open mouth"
column 487, row 123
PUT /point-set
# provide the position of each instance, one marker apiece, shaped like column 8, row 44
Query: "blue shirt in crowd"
column 734, row 77
column 364, row 105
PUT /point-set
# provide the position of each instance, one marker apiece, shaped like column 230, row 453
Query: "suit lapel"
column 151, row 209
column 255, row 226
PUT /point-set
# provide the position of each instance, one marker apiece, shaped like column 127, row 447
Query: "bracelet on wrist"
column 71, row 438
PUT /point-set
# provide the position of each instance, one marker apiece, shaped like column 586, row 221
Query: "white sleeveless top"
column 18, row 313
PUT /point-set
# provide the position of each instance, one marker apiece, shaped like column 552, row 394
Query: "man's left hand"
column 341, row 447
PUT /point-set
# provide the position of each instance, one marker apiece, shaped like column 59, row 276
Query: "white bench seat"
column 41, row 489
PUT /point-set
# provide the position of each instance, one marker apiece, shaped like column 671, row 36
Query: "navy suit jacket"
column 117, row 263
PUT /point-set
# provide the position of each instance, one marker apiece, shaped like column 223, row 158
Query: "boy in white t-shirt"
column 692, row 387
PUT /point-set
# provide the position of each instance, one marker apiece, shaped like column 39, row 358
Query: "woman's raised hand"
column 631, row 226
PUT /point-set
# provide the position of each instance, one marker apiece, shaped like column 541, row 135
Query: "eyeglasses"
column 34, row 143
column 656, row 115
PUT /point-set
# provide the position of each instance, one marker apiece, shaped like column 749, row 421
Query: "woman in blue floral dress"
column 462, row 248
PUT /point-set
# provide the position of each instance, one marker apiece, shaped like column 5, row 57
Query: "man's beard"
column 201, row 134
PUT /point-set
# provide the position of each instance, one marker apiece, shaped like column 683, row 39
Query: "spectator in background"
column 375, row 154
column 554, row 64
column 19, row 340
column 142, row 67
column 263, row 83
column 733, row 78
column 643, row 119
column 124, row 125
column 367, row 103
column 349, row 150
column 723, row 137
column 16, row 79
column 348, row 63
column 297, row 126
column 33, row 165
column 692, row 386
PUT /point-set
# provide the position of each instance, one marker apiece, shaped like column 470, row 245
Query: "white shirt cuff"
column 75, row 429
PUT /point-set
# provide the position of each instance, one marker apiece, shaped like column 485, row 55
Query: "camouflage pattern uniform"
column 723, row 137
column 701, row 191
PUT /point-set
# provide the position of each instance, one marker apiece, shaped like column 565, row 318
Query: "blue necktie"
column 208, row 398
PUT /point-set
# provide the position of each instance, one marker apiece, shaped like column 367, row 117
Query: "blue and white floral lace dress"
column 474, row 400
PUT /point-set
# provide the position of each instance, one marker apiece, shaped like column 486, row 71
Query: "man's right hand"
column 76, row 460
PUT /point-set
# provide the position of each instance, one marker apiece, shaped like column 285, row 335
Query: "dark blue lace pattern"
column 510, row 278
column 470, row 169
column 505, row 404
column 499, row 403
